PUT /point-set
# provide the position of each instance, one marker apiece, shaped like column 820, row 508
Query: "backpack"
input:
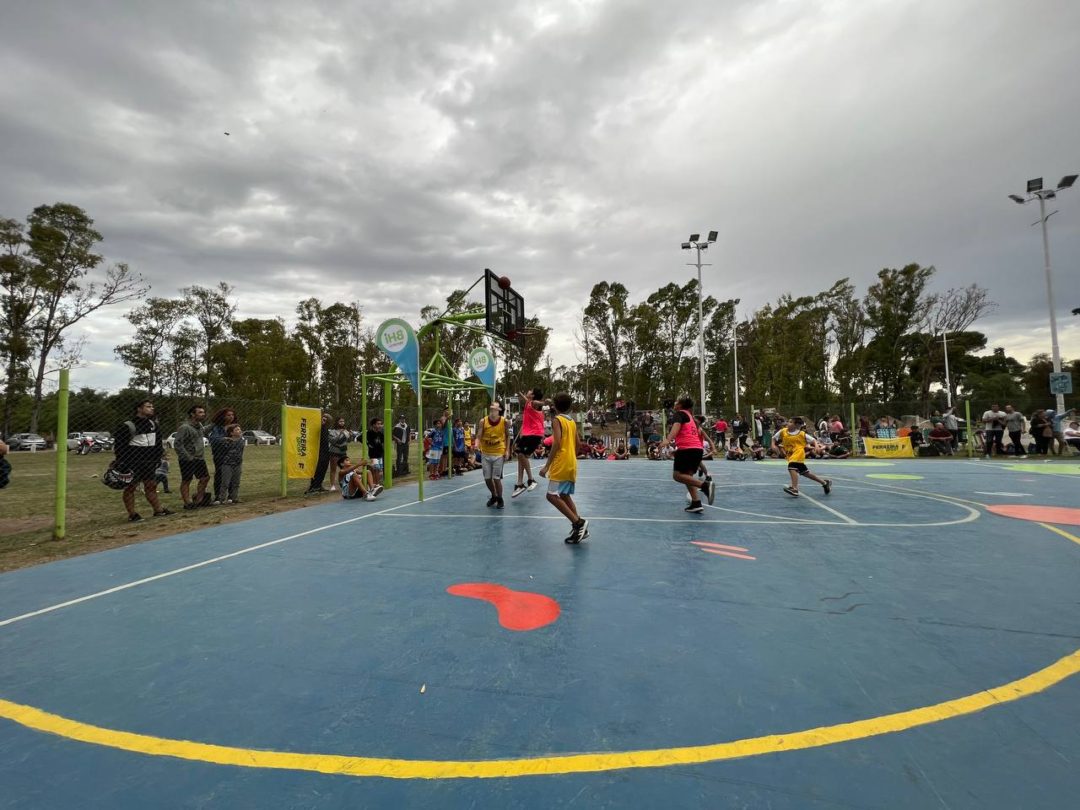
column 119, row 479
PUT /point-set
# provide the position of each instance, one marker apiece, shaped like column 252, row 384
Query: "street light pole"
column 1035, row 191
column 699, row 245
column 948, row 383
column 735, row 349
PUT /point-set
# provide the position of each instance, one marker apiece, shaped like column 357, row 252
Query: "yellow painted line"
column 562, row 764
column 1062, row 532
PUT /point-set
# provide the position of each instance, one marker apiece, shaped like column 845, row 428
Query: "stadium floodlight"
column 696, row 243
column 714, row 234
column 1035, row 191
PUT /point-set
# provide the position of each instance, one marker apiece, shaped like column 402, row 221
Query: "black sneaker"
column 191, row 505
column 710, row 490
column 518, row 489
column 163, row 512
column 134, row 517
column 491, row 501
column 792, row 491
column 695, row 507
column 579, row 532
column 499, row 504
column 827, row 486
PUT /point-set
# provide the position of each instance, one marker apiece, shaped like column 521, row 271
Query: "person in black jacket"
column 316, row 484
column 138, row 449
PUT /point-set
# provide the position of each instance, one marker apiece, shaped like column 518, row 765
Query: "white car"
column 171, row 441
column 258, row 437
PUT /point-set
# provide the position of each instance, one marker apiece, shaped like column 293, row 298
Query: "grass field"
column 96, row 519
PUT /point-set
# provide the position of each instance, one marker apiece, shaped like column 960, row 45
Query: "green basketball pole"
column 59, row 526
column 853, row 433
column 388, row 436
column 970, row 432
column 282, row 452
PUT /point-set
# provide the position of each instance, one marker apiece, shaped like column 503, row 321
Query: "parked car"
column 89, row 441
column 171, row 441
column 258, row 437
column 25, row 441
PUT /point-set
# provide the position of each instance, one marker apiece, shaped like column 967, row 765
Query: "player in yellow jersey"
column 561, row 468
column 492, row 438
column 792, row 441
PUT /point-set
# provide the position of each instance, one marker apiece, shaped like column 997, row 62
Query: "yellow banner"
column 889, row 448
column 301, row 438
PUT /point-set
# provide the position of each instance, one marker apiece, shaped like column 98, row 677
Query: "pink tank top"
column 688, row 437
column 532, row 422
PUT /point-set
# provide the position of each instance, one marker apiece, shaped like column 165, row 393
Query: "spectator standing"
column 1041, row 431
column 232, row 462
column 994, row 428
column 376, row 450
column 5, row 466
column 400, row 437
column 720, row 431
column 191, row 457
column 317, row 480
column 952, row 424
column 161, row 474
column 337, row 443
column 138, row 448
column 1057, row 424
column 836, row 429
column 219, row 428
column 1014, row 424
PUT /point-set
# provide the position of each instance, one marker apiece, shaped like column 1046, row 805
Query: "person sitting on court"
column 1072, row 435
column 839, row 450
column 620, row 453
column 356, row 481
column 734, row 452
column 706, row 448
column 941, row 439
column 757, row 452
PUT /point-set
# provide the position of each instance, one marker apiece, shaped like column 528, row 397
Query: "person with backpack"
column 138, row 448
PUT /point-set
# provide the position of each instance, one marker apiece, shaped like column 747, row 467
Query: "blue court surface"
column 895, row 644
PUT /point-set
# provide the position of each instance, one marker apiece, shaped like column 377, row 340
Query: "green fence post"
column 60, row 524
column 283, row 454
column 388, row 436
column 420, row 435
column 853, row 432
column 971, row 433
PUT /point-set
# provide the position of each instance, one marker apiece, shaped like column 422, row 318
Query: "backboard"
column 504, row 310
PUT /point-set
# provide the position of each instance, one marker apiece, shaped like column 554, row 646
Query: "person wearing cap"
column 400, row 435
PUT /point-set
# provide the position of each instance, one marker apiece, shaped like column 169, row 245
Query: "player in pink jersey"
column 532, row 433
column 686, row 437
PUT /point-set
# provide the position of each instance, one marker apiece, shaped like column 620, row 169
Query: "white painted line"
column 594, row 519
column 1006, row 494
column 840, row 515
column 205, row 563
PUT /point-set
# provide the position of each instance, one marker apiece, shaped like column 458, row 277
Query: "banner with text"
column 398, row 341
column 482, row 365
column 301, row 438
column 889, row 448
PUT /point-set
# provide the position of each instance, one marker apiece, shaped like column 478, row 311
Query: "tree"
column 605, row 316
column 950, row 312
column 155, row 323
column 893, row 307
column 61, row 242
column 17, row 307
column 211, row 307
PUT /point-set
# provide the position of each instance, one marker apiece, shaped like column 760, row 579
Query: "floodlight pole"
column 948, row 384
column 1035, row 190
column 700, row 245
column 735, row 349
column 1054, row 348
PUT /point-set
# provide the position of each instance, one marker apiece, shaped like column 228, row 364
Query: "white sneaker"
column 531, row 486
column 376, row 490
column 369, row 497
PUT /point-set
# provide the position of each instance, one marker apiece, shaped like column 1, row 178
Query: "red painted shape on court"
column 518, row 610
column 1041, row 514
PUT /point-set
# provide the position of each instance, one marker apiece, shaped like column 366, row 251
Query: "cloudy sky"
column 386, row 152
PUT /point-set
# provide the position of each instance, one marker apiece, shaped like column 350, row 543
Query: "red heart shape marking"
column 518, row 610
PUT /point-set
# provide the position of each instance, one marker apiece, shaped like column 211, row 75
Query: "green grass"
column 96, row 518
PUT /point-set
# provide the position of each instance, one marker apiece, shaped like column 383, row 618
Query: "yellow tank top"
column 563, row 466
column 794, row 445
column 493, row 437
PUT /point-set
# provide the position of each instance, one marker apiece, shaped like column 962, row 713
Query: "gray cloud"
column 387, row 152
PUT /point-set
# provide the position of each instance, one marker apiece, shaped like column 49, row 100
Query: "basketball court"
column 903, row 642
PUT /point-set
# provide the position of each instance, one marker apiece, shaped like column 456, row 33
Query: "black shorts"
column 688, row 461
column 194, row 469
column 460, row 454
column 799, row 467
column 143, row 471
column 526, row 445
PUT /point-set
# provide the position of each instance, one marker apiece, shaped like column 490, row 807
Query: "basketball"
column 504, row 282
column 512, row 334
